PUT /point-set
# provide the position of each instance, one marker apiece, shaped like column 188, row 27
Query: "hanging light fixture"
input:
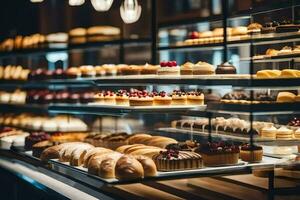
column 130, row 11
column 36, row 1
column 76, row 2
column 102, row 5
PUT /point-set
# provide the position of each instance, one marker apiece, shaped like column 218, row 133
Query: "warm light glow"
column 76, row 2
column 130, row 11
column 36, row 1
column 102, row 5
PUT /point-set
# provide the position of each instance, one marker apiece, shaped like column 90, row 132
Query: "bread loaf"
column 92, row 152
column 128, row 168
column 107, row 166
column 95, row 162
column 78, row 155
column 148, row 164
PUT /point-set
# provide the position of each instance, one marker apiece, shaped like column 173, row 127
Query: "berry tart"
column 215, row 154
column 169, row 68
column 109, row 98
column 174, row 160
column 179, row 98
column 251, row 153
column 34, row 138
column 162, row 99
column 195, row 98
column 140, row 98
column 122, row 98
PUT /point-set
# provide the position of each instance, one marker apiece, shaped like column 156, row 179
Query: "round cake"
column 34, row 138
column 226, row 68
column 203, row 68
column 251, row 153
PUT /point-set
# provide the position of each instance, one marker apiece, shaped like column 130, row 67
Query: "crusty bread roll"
column 66, row 152
column 160, row 141
column 123, row 149
column 283, row 97
column 148, row 166
column 138, row 138
column 128, row 168
column 132, row 149
column 95, row 162
column 78, row 155
column 146, row 152
column 1, row 72
column 54, row 152
column 92, row 152
column 107, row 166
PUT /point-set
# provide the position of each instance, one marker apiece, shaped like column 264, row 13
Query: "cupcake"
column 122, row 98
column 87, row 71
column 149, row 69
column 100, row 71
column 203, row 68
column 73, row 72
column 251, row 153
column 226, row 68
column 169, row 68
column 110, row 70
column 179, row 98
column 162, row 99
column 109, row 98
column 195, row 98
column 187, row 68
column 140, row 98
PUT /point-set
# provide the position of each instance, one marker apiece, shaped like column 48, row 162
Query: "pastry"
column 94, row 163
column 77, row 155
column 251, row 153
column 295, row 122
column 169, row 68
column 149, row 69
column 100, row 71
column 110, row 70
column 109, row 98
column 53, row 152
column 122, row 98
column 240, row 30
column 268, row 132
column 206, row 34
column 148, row 164
column 297, row 98
column 285, row 97
column 290, row 73
column 131, row 70
column 254, row 28
column 162, row 99
column 108, row 165
column 138, row 138
column 77, row 36
column 140, row 98
column 128, row 168
column 287, row 26
column 39, row 147
column 266, row 74
column 203, row 68
column 211, row 97
column 226, row 68
column 195, row 98
column 87, row 71
column 90, row 153
column 187, row 68
column 272, row 52
column 283, row 133
column 269, row 27
column 99, row 98
column 173, row 160
column 285, row 50
column 68, row 152
column 102, row 33
column 215, row 154
column 34, row 138
column 193, row 35
column 297, row 133
column 179, row 98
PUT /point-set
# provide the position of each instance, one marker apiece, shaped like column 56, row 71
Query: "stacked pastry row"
column 239, row 32
column 277, row 74
column 16, row 97
column 75, row 36
column 59, row 123
column 11, row 72
column 240, row 97
column 286, row 50
column 144, row 98
column 265, row 130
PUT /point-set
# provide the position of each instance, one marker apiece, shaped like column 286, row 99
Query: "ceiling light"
column 102, row 5
column 36, row 1
column 130, row 11
column 76, row 2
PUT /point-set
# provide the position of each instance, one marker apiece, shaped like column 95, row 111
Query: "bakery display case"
column 201, row 103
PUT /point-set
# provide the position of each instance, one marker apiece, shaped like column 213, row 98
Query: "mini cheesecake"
column 109, row 98
column 122, row 98
column 140, row 98
column 162, row 99
column 195, row 98
column 179, row 98
column 169, row 68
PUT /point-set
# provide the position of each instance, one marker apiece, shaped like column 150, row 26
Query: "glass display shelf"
column 259, row 39
column 237, row 81
column 72, row 47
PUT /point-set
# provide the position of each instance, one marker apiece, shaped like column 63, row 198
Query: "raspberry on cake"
column 122, row 98
column 169, row 68
column 251, row 153
column 162, row 99
column 140, row 98
column 109, row 98
column 179, row 98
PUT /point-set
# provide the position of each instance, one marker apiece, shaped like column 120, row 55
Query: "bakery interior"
column 150, row 99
